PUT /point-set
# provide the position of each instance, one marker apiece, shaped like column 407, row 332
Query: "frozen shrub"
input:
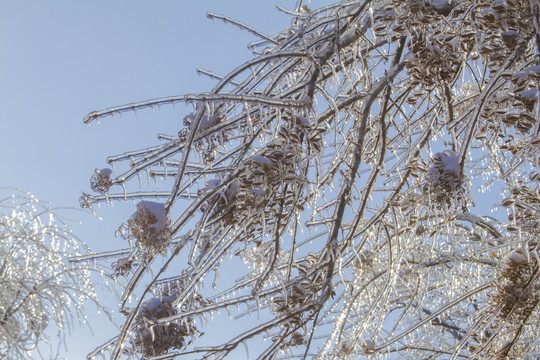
column 40, row 289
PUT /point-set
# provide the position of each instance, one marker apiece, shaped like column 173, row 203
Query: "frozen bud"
column 512, row 228
column 85, row 201
column 151, row 339
column 444, row 173
column 213, row 182
column 158, row 307
column 157, row 213
column 535, row 140
column 210, row 185
column 510, row 36
column 499, row 5
column 368, row 346
column 346, row 347
column 410, row 59
column 257, row 192
column 534, row 176
column 122, row 266
column 527, row 95
column 533, row 69
column 232, row 190
column 445, row 162
column 451, row 162
column 533, row 72
column 443, row 7
column 519, row 256
column 519, row 77
column 207, row 121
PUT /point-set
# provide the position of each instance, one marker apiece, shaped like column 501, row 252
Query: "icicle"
column 125, row 190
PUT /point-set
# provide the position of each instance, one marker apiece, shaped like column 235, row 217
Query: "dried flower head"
column 149, row 225
column 101, row 180
column 151, row 339
column 444, row 182
column 515, row 297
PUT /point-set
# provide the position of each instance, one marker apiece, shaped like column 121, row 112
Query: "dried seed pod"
column 510, row 119
column 534, row 176
column 535, row 140
column 508, row 202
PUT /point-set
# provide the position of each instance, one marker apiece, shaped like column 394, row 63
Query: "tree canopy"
column 327, row 197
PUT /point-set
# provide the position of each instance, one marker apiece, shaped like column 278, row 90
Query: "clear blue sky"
column 63, row 59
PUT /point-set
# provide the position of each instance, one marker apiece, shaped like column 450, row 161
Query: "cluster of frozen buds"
column 525, row 200
column 303, row 292
column 516, row 293
column 123, row 266
column 502, row 26
column 347, row 346
column 149, row 225
column 222, row 201
column 445, row 171
column 266, row 177
column 432, row 60
column 101, row 180
column 515, row 104
column 444, row 182
column 150, row 338
column 269, row 178
column 523, row 95
column 432, row 57
column 208, row 144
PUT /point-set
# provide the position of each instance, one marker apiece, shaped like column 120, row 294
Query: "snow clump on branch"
column 101, row 181
column 151, row 339
column 149, row 225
